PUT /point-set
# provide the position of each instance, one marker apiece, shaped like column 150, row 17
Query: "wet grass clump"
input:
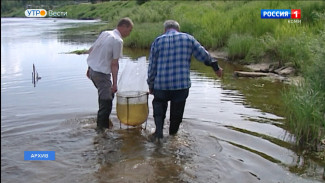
column 306, row 102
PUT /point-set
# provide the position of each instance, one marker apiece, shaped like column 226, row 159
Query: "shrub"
column 239, row 46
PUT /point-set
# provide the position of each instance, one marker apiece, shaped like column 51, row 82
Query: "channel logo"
column 281, row 14
column 35, row 13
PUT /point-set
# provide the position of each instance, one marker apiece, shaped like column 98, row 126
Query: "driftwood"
column 250, row 74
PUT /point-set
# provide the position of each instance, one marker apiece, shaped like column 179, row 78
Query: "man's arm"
column 90, row 49
column 152, row 68
column 114, row 68
column 201, row 54
column 88, row 52
column 218, row 70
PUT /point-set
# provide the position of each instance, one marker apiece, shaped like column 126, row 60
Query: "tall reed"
column 306, row 102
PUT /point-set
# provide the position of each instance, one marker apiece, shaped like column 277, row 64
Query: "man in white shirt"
column 103, row 63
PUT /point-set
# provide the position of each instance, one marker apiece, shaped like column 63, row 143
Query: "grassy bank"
column 236, row 27
column 306, row 102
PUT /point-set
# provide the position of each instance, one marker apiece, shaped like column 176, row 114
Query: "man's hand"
column 150, row 91
column 114, row 88
column 88, row 51
column 87, row 73
column 114, row 69
column 219, row 72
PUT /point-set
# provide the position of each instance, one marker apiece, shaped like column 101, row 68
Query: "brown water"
column 132, row 114
column 232, row 129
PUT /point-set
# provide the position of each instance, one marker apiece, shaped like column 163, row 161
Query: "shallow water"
column 231, row 132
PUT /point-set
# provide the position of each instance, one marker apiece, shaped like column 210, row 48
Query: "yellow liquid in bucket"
column 132, row 114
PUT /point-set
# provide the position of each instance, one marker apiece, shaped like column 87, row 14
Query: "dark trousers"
column 105, row 96
column 177, row 100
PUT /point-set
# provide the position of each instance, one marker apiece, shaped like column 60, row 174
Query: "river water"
column 232, row 129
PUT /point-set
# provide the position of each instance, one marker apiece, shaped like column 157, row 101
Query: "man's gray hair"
column 171, row 24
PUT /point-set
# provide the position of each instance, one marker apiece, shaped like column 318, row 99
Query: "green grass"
column 79, row 52
column 215, row 24
column 147, row 32
column 306, row 102
column 239, row 45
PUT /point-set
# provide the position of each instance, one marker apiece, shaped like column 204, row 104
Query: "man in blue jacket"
column 169, row 74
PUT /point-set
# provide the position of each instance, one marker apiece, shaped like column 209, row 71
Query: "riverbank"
column 236, row 28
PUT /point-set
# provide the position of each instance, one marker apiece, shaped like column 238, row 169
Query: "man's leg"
column 105, row 109
column 103, row 84
column 160, row 104
column 177, row 106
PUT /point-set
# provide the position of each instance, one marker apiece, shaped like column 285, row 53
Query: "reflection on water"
column 232, row 128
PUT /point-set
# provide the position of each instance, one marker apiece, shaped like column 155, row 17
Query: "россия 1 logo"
column 35, row 13
column 280, row 13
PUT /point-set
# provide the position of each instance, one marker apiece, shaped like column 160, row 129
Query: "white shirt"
column 108, row 46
